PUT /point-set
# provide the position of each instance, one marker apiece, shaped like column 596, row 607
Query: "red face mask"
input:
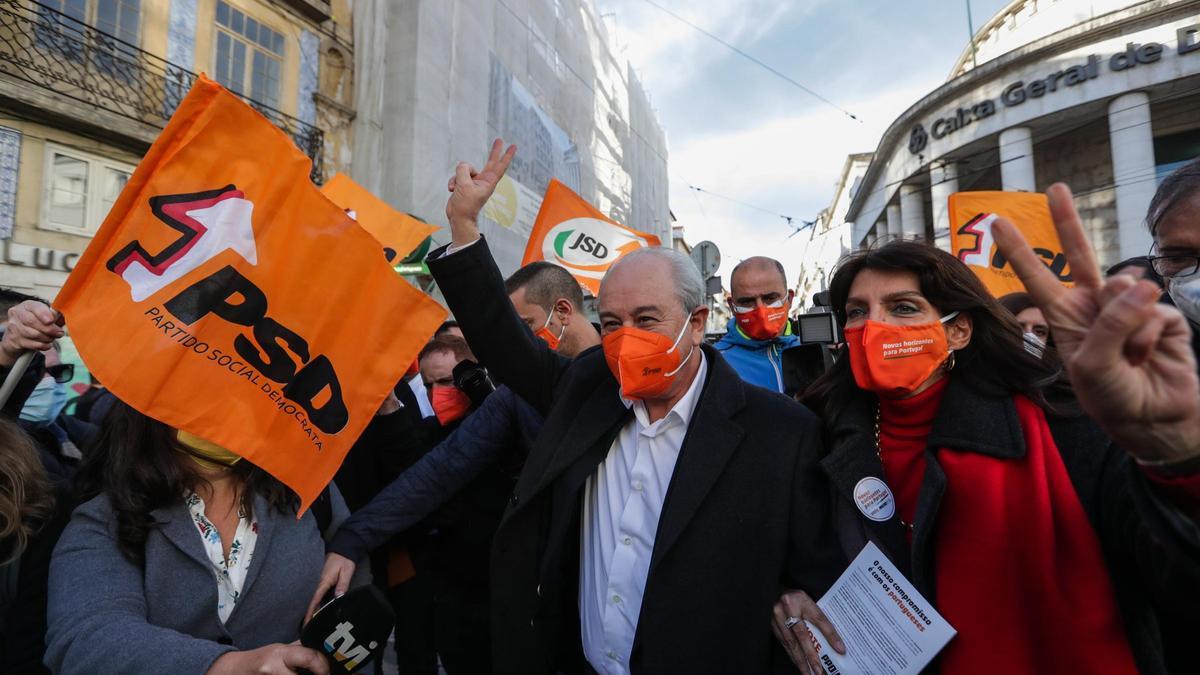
column 644, row 362
column 893, row 361
column 763, row 323
column 550, row 338
column 450, row 404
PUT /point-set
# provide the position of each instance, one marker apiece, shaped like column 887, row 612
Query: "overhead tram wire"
column 754, row 60
column 789, row 219
column 804, row 225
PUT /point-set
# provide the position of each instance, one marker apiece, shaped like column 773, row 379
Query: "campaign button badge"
column 874, row 498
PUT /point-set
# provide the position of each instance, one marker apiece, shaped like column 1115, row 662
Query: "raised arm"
column 32, row 326
column 474, row 290
column 1131, row 364
column 1129, row 356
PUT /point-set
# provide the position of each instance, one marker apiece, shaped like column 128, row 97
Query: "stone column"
column 943, row 181
column 912, row 212
column 1132, row 142
column 895, row 228
column 1016, row 160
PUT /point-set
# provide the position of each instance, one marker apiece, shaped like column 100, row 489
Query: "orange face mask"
column 643, row 362
column 549, row 337
column 450, row 404
column 763, row 323
column 893, row 361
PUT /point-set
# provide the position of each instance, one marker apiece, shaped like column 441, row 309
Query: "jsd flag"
column 572, row 233
column 224, row 295
column 399, row 233
column 971, row 218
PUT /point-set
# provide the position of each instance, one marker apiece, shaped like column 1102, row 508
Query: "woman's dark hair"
column 140, row 465
column 1016, row 302
column 1176, row 187
column 1140, row 262
column 26, row 494
column 995, row 362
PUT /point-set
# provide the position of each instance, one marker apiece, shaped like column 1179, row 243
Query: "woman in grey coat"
column 183, row 560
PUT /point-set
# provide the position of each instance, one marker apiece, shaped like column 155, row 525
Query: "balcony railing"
column 51, row 50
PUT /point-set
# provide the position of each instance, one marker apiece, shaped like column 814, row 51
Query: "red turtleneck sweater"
column 1019, row 570
column 904, row 425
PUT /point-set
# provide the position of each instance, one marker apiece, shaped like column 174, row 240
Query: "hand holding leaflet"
column 887, row 626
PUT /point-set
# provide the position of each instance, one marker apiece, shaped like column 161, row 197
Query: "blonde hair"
column 26, row 495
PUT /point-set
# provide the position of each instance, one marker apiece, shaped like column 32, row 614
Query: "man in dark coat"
column 657, row 516
column 482, row 456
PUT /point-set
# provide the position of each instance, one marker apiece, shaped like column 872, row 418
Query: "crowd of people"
column 545, row 494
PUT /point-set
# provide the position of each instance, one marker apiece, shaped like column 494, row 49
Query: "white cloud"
column 659, row 44
column 788, row 165
column 789, row 161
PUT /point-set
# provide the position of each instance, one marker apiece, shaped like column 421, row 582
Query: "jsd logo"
column 587, row 244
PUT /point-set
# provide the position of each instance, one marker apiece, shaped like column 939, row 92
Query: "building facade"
column 828, row 239
column 87, row 85
column 543, row 74
column 1100, row 94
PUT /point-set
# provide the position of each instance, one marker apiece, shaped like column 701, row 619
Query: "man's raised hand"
column 32, row 326
column 470, row 189
column 1129, row 357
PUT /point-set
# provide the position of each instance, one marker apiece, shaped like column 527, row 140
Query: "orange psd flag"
column 971, row 218
column 572, row 233
column 224, row 295
column 399, row 232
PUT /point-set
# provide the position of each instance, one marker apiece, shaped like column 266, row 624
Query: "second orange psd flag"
column 399, row 232
column 574, row 234
column 971, row 240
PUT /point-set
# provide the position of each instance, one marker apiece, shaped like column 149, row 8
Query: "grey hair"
column 689, row 287
column 1175, row 188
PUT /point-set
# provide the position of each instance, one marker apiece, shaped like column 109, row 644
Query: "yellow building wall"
column 31, row 181
column 283, row 22
column 154, row 27
column 27, row 230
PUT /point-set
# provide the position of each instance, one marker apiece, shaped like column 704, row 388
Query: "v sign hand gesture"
column 470, row 189
column 1129, row 357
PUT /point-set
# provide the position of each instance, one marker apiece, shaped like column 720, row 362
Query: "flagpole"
column 14, row 376
column 971, row 34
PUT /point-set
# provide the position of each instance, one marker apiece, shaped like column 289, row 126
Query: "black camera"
column 472, row 379
column 819, row 333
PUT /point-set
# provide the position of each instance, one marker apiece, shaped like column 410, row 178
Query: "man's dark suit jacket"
column 746, row 513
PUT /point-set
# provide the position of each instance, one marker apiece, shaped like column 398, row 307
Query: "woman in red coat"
column 1046, row 545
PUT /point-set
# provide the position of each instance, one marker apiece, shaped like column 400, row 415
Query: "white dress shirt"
column 622, row 501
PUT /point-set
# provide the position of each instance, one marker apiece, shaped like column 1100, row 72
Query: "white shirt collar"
column 683, row 408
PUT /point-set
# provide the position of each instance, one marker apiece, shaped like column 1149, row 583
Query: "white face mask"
column 1034, row 344
column 1185, row 293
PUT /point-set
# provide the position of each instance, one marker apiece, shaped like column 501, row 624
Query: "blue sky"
column 737, row 130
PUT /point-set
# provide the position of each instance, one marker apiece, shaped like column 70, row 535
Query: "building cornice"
column 1093, row 30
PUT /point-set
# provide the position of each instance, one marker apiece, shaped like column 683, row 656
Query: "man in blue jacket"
column 759, row 330
column 550, row 302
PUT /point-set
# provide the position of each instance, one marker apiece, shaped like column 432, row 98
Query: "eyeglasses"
column 739, row 308
column 1169, row 266
column 62, row 373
